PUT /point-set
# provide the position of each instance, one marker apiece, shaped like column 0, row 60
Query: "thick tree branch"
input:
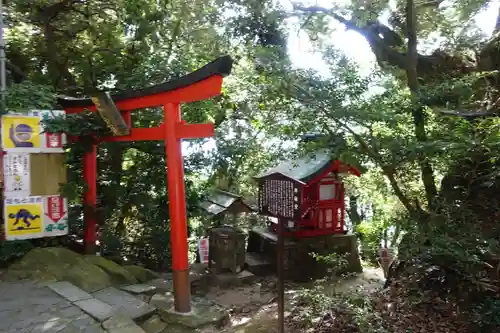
column 373, row 31
column 17, row 73
column 385, row 44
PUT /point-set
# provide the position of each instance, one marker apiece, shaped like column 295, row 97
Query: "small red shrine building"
column 319, row 194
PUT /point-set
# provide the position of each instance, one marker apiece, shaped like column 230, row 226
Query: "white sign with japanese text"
column 16, row 170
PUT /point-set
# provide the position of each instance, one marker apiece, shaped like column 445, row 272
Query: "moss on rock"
column 56, row 264
column 117, row 273
column 204, row 313
column 140, row 273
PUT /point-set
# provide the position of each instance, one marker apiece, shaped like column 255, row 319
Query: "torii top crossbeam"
column 198, row 85
column 201, row 84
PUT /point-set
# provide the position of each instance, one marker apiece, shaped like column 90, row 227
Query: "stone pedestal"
column 204, row 313
column 299, row 265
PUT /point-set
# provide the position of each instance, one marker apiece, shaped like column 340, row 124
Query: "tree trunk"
column 57, row 70
column 353, row 211
column 418, row 114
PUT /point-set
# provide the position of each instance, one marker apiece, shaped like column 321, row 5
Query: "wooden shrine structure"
column 116, row 110
column 304, row 201
column 312, row 199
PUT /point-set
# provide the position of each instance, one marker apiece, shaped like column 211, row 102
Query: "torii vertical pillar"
column 90, row 200
column 177, row 207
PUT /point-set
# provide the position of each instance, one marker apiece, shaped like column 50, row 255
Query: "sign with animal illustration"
column 23, row 218
column 35, row 217
column 16, row 169
column 25, row 133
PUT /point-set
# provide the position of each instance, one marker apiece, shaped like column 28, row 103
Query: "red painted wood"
column 205, row 89
column 140, row 134
column 90, row 196
column 127, row 117
column 194, row 131
column 176, row 192
column 182, row 131
column 342, row 210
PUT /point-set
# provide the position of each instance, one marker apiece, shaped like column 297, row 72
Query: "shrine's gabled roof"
column 309, row 167
column 219, row 201
column 303, row 169
column 221, row 66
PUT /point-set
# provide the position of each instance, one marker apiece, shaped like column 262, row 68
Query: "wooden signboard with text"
column 279, row 196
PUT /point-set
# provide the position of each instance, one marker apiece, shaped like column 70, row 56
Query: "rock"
column 161, row 284
column 153, row 325
column 177, row 329
column 121, row 324
column 162, row 301
column 117, row 321
column 198, row 268
column 139, row 289
column 203, row 313
column 144, row 298
column 140, row 273
column 118, row 274
column 52, row 264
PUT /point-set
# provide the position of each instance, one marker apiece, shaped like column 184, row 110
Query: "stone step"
column 121, row 324
column 230, row 279
column 115, row 309
column 69, row 291
column 124, row 303
column 141, row 288
column 257, row 264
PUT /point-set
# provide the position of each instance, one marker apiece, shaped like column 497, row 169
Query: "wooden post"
column 177, row 208
column 90, row 200
column 281, row 278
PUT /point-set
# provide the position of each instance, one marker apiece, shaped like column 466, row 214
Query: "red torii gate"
column 201, row 84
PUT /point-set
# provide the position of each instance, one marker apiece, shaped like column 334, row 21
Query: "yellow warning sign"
column 21, row 133
column 24, row 218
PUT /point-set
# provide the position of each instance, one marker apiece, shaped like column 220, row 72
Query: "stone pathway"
column 61, row 307
column 29, row 307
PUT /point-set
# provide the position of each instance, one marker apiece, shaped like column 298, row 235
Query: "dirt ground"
column 254, row 308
